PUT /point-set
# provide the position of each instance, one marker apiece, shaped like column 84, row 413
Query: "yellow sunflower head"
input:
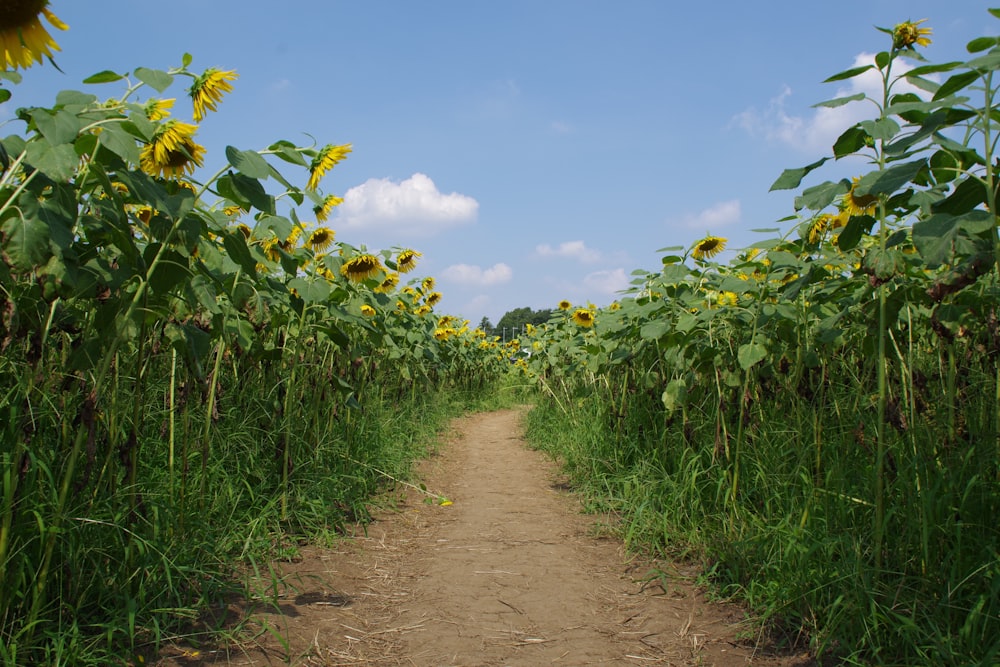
column 427, row 284
column 406, row 261
column 908, row 33
column 322, row 210
column 708, row 247
column 565, row 305
column 207, row 90
column 367, row 311
column 324, row 161
column 320, row 238
column 433, row 298
column 855, row 205
column 388, row 284
column 158, row 109
column 583, row 317
column 361, row 268
column 172, row 151
column 23, row 39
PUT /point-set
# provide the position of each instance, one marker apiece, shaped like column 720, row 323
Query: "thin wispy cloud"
column 715, row 216
column 816, row 131
column 413, row 207
column 470, row 274
column 608, row 282
column 577, row 250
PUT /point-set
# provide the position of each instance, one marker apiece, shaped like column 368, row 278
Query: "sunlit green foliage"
column 817, row 420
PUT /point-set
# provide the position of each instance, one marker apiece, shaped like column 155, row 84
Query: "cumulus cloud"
column 469, row 274
column 610, row 281
column 715, row 216
column 412, row 207
column 818, row 131
column 577, row 250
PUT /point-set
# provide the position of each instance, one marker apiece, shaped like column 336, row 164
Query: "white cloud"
column 717, row 215
column 468, row 274
column 570, row 249
column 412, row 207
column 817, row 132
column 610, row 281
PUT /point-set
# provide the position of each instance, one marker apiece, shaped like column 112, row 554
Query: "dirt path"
column 510, row 574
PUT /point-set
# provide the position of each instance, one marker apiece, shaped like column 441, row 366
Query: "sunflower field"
column 817, row 421
column 192, row 377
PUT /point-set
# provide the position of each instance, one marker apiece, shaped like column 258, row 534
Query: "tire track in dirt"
column 510, row 574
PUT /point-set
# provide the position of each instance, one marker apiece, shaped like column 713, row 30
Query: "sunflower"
column 207, row 90
column 433, row 298
column 320, row 238
column 324, row 162
column 708, row 247
column 388, row 283
column 819, row 226
column 401, row 306
column 855, row 204
column 322, row 210
column 583, row 317
column 158, row 109
column 423, row 310
column 908, row 33
column 361, row 268
column 23, row 38
column 427, row 284
column 367, row 311
column 172, row 152
column 406, row 260
column 565, row 305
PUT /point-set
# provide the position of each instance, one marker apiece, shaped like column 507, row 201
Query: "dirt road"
column 510, row 573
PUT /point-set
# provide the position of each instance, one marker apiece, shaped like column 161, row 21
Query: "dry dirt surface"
column 510, row 573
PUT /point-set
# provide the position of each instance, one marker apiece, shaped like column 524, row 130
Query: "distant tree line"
column 513, row 321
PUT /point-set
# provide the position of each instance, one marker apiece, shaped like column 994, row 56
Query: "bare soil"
column 511, row 573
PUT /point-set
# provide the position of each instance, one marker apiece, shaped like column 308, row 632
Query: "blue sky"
column 532, row 150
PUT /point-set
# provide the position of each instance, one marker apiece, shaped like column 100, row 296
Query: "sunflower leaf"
column 751, row 354
column 849, row 73
column 156, row 79
column 791, row 178
column 104, row 76
column 249, row 163
column 840, row 101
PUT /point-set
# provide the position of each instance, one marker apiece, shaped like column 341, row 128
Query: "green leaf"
column 60, row 127
column 990, row 61
column 967, row 195
column 171, row 271
column 251, row 190
column 855, row 229
column 117, row 140
column 310, row 291
column 882, row 59
column 791, row 178
column 942, row 235
column 104, row 76
column 25, row 242
column 674, row 395
column 158, row 80
column 981, row 44
column 887, row 181
column 186, row 60
column 249, row 163
column 955, row 83
column 840, row 101
column 820, row 196
column 933, row 69
column 882, row 129
column 288, row 152
column 849, row 73
column 850, row 142
column 4, row 95
column 751, row 354
column 654, row 330
column 57, row 162
column 239, row 252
